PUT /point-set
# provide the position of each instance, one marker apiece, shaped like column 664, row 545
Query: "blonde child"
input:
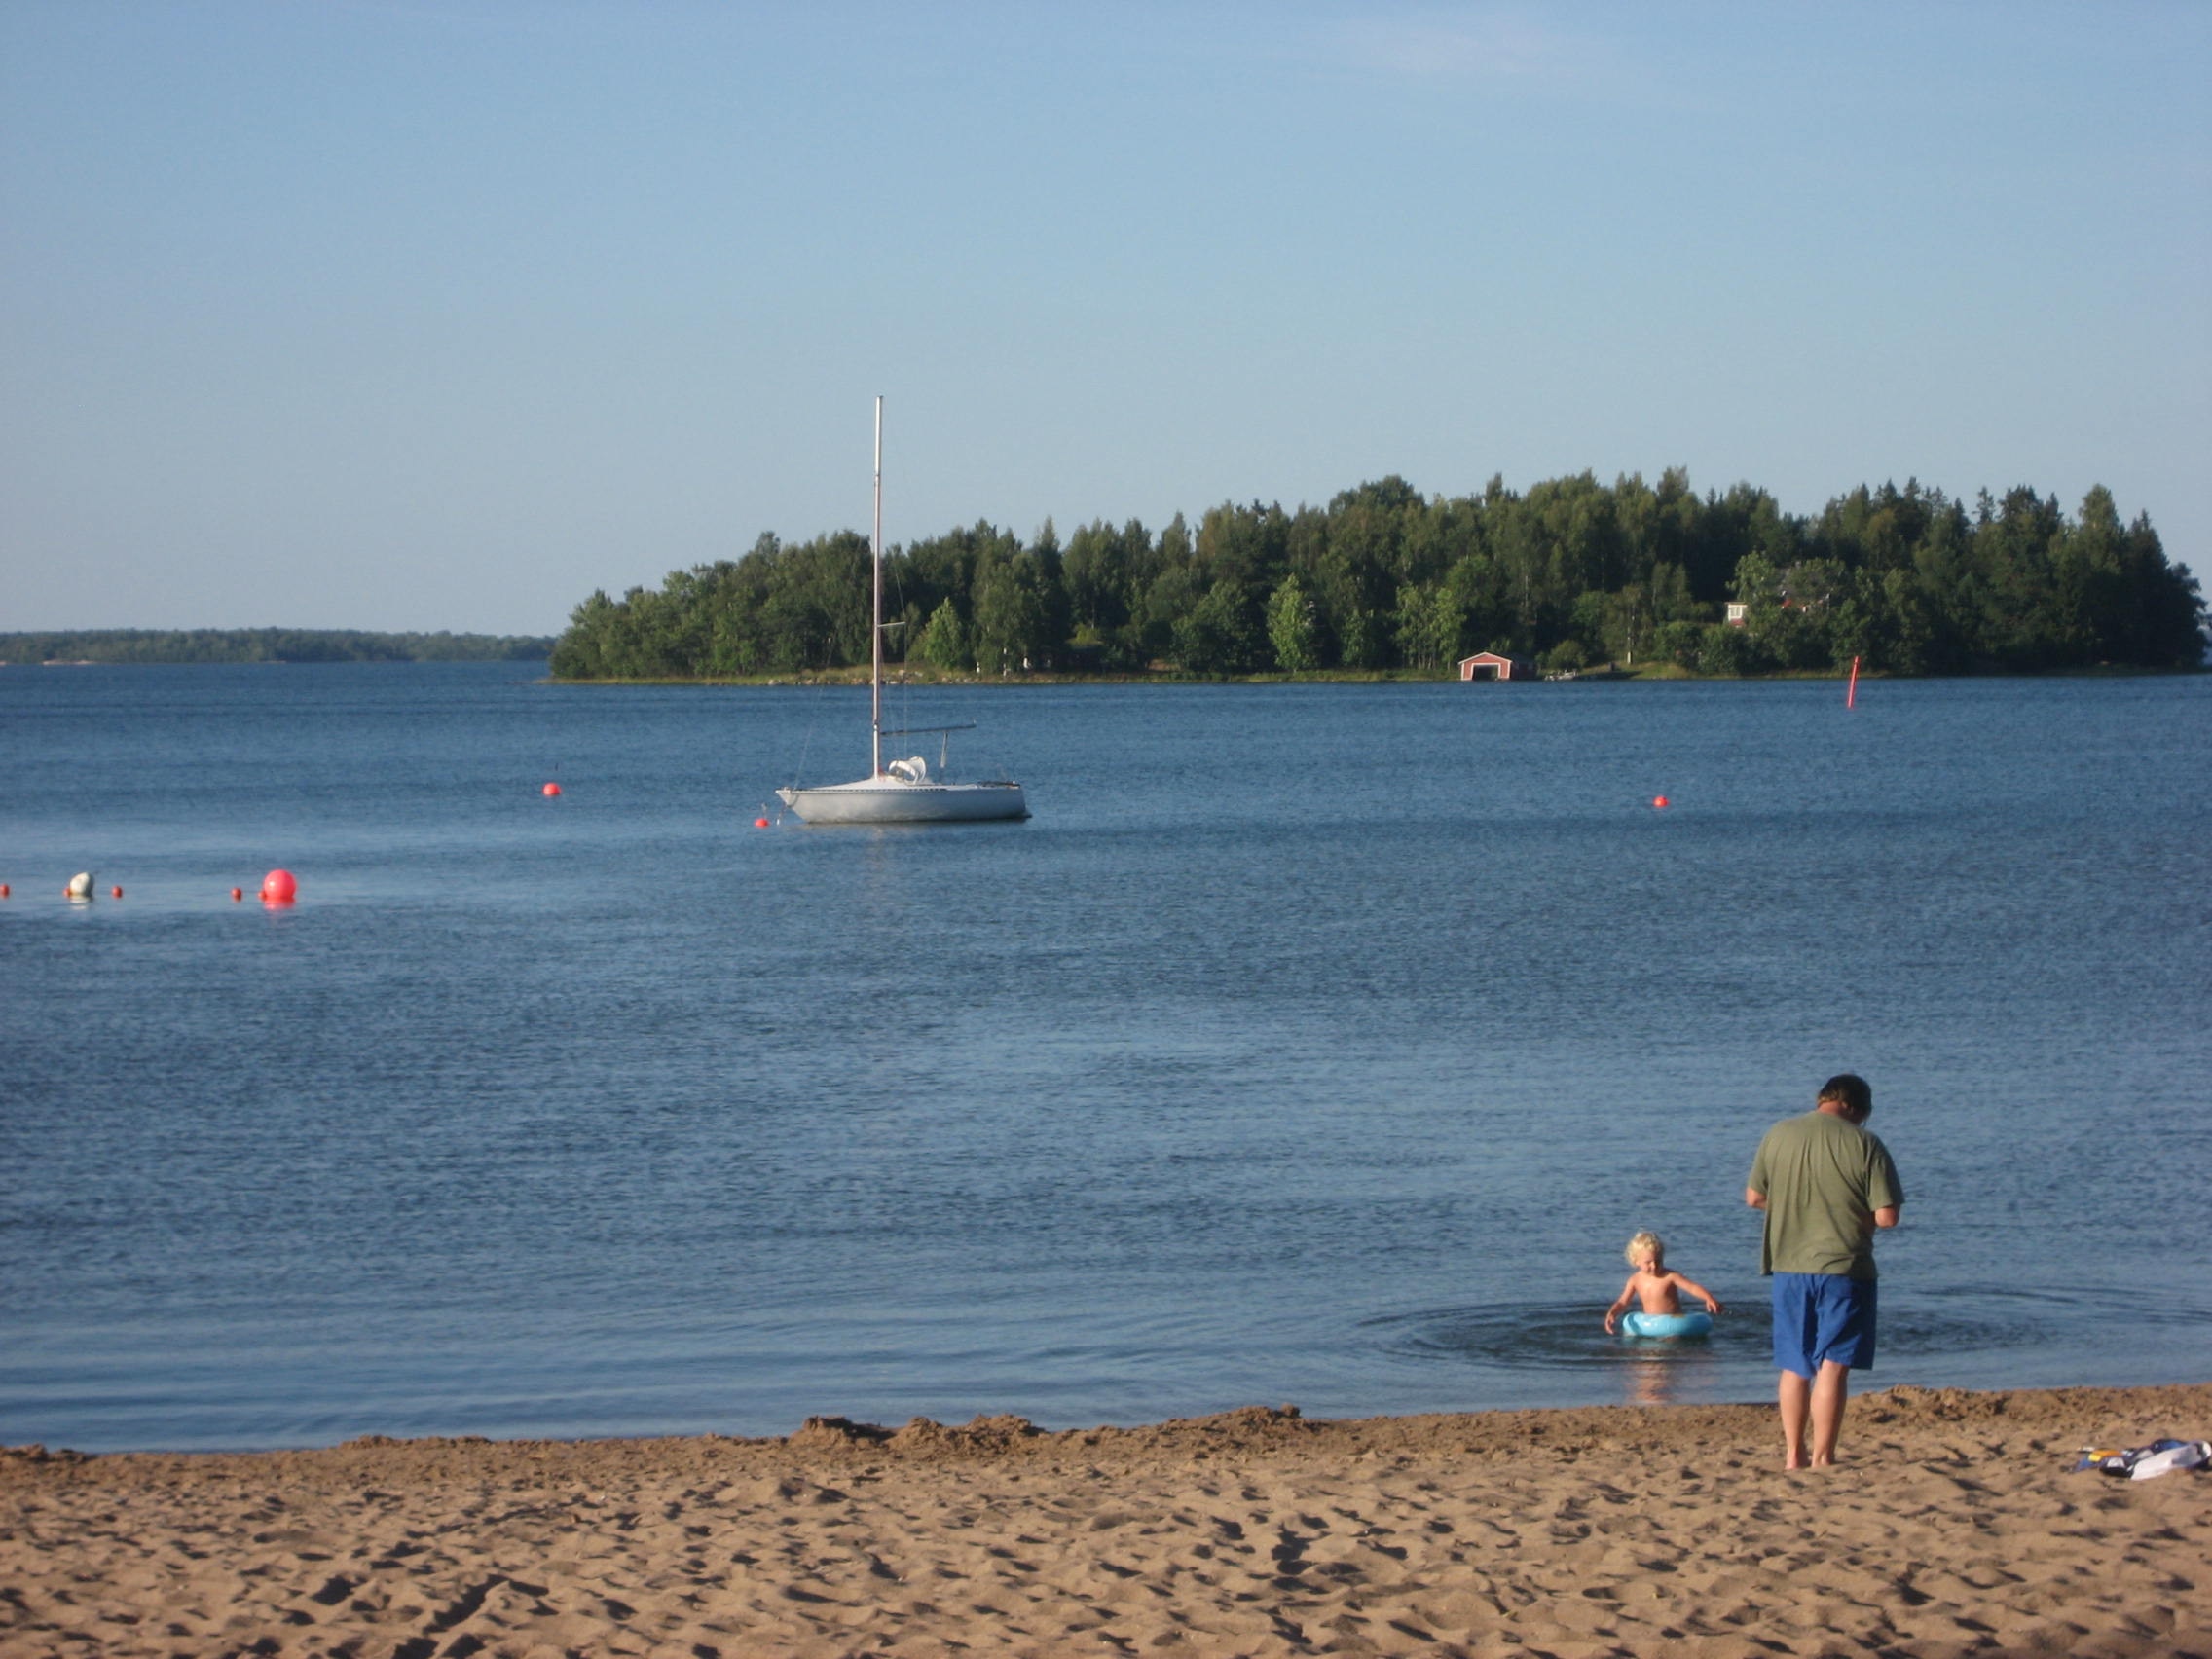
column 1651, row 1286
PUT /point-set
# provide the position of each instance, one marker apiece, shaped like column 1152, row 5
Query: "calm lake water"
column 1313, row 1044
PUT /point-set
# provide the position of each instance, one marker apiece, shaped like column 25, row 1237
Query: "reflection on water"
column 1664, row 1371
column 1667, row 1379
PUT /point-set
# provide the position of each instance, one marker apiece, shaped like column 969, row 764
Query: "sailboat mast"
column 875, row 633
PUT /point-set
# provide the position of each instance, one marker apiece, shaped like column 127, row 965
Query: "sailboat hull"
column 888, row 800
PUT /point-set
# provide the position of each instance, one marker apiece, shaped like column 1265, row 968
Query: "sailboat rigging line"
column 898, row 575
column 806, row 743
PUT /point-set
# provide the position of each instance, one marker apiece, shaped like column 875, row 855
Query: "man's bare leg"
column 1830, row 1389
column 1794, row 1395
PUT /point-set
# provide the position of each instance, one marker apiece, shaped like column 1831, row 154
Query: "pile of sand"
column 1955, row 1527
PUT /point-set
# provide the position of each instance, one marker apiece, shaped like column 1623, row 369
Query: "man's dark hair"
column 1850, row 1092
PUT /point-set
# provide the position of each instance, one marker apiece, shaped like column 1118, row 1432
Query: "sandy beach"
column 1956, row 1527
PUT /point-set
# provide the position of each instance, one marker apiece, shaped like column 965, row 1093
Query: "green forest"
column 266, row 645
column 1571, row 574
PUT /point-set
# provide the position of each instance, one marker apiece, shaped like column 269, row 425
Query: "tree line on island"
column 1570, row 574
column 266, row 645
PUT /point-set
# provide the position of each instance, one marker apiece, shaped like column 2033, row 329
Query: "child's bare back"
column 1652, row 1287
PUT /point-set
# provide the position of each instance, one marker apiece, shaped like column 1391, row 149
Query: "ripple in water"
column 1554, row 1335
column 1548, row 1336
column 1971, row 1318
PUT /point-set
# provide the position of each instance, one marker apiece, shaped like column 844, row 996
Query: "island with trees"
column 266, row 644
column 1385, row 581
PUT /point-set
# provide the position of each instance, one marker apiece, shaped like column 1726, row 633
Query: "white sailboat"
column 906, row 792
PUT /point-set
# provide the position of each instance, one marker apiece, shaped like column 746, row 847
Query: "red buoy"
column 551, row 789
column 758, row 823
column 1658, row 801
column 3, row 890
column 278, row 887
column 238, row 892
column 115, row 892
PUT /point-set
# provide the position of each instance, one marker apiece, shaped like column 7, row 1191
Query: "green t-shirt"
column 1824, row 1179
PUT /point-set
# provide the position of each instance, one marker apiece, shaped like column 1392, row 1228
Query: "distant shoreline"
column 1656, row 673
column 511, row 648
column 164, row 647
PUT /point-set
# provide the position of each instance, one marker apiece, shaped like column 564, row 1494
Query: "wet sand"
column 1955, row 1527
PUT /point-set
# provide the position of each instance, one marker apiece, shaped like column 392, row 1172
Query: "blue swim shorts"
column 1822, row 1316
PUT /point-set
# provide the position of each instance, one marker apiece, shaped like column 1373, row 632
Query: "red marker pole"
column 1851, row 696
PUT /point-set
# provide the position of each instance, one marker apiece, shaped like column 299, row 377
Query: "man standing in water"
column 1825, row 1185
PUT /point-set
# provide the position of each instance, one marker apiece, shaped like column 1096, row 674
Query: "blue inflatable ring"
column 1667, row 1324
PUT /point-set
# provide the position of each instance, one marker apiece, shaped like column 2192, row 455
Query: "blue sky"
column 444, row 313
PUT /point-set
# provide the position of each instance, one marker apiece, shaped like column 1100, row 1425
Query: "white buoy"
column 80, row 885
